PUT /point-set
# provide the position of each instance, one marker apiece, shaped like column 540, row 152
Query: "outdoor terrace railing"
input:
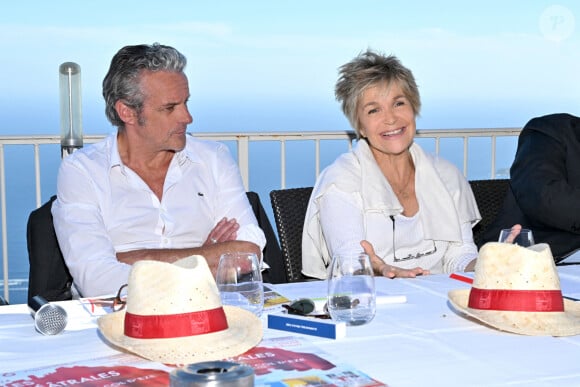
column 457, row 145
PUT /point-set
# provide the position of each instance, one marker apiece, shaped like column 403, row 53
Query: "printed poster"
column 277, row 362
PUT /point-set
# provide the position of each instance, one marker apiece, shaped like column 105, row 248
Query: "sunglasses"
column 119, row 302
column 304, row 307
column 433, row 250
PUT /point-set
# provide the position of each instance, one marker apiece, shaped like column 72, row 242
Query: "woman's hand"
column 386, row 270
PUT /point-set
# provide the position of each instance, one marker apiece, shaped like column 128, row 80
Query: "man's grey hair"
column 122, row 81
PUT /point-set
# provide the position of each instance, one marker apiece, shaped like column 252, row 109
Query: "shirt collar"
column 113, row 146
column 115, row 159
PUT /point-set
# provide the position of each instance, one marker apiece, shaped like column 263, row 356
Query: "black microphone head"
column 49, row 319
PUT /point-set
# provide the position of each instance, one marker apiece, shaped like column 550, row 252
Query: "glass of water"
column 517, row 235
column 239, row 281
column 351, row 289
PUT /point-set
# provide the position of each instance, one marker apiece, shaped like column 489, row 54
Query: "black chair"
column 276, row 274
column 49, row 276
column 489, row 195
column 289, row 207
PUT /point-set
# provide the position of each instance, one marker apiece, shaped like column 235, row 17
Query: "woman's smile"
column 393, row 133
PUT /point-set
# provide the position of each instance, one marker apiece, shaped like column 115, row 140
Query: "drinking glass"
column 239, row 281
column 351, row 289
column 524, row 237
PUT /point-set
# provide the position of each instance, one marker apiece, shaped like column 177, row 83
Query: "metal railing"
column 240, row 143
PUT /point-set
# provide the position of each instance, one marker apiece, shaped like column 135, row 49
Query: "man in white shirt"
column 148, row 191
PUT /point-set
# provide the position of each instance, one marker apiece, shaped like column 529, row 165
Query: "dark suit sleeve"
column 543, row 173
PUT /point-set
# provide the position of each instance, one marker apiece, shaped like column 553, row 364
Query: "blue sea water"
column 265, row 165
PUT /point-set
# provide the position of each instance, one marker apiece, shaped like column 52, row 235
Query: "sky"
column 264, row 66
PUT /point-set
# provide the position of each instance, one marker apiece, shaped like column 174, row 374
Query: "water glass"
column 351, row 289
column 239, row 281
column 523, row 238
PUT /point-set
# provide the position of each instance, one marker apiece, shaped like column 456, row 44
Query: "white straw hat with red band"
column 517, row 289
column 174, row 315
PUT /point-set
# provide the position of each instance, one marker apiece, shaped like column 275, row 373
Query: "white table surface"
column 422, row 342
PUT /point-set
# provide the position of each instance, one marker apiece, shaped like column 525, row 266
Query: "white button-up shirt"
column 103, row 207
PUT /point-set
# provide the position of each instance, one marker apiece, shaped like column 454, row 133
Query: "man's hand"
column 386, row 270
column 211, row 253
column 514, row 232
column 221, row 239
column 225, row 230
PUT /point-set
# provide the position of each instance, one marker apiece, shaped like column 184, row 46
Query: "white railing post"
column 282, row 164
column 6, row 277
column 317, row 157
column 37, row 174
column 493, row 147
column 243, row 160
column 465, row 155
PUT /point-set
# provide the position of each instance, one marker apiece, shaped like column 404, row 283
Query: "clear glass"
column 239, row 281
column 522, row 237
column 351, row 289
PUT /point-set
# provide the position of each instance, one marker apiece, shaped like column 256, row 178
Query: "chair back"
column 48, row 276
column 272, row 254
column 289, row 207
column 489, row 195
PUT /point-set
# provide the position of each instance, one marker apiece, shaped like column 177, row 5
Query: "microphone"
column 49, row 319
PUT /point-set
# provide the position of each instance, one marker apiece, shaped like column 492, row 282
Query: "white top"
column 103, row 207
column 353, row 201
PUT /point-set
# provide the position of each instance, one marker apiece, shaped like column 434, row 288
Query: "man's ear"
column 127, row 114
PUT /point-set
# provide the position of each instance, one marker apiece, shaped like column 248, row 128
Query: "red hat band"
column 516, row 300
column 175, row 325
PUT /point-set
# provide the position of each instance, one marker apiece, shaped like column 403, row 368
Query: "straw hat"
column 517, row 289
column 174, row 315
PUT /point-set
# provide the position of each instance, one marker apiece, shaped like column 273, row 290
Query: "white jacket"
column 446, row 204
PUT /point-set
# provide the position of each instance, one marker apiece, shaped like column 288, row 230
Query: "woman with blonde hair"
column 411, row 212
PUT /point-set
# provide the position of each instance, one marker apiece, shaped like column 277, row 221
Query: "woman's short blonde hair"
column 368, row 69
